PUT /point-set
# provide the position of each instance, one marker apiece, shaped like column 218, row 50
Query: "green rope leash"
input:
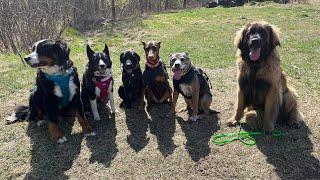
column 247, row 138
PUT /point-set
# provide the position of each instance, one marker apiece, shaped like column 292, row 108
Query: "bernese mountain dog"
column 57, row 89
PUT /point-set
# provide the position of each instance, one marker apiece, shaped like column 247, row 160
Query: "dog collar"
column 153, row 65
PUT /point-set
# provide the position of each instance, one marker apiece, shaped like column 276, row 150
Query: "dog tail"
column 20, row 113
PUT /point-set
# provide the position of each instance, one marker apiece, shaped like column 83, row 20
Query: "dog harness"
column 187, row 78
column 63, row 82
column 149, row 78
column 103, row 86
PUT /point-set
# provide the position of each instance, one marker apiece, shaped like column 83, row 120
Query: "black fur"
column 88, row 85
column 132, row 84
column 43, row 103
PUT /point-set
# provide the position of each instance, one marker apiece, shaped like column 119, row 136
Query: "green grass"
column 207, row 34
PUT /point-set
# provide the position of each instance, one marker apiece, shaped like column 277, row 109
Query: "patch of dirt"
column 151, row 145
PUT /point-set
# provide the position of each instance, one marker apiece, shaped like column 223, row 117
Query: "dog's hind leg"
column 294, row 116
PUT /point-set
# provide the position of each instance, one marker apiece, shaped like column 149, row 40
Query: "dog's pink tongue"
column 254, row 55
column 177, row 74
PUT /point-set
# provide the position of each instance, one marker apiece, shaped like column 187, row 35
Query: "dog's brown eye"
column 174, row 59
column 182, row 59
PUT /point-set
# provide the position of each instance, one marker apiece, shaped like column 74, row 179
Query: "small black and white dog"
column 97, row 81
column 57, row 88
column 131, row 89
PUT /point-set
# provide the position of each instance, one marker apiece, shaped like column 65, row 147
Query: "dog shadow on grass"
column 103, row 147
column 49, row 160
column 198, row 135
column 137, row 124
column 291, row 155
column 162, row 127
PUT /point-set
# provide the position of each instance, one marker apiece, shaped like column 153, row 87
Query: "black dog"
column 57, row 88
column 97, row 81
column 131, row 89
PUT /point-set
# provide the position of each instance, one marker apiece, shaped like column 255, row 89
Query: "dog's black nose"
column 177, row 65
column 102, row 66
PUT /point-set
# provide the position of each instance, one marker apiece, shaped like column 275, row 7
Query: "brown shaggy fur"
column 262, row 84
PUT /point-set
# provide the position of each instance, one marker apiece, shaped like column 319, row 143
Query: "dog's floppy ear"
column 135, row 55
column 273, row 35
column 106, row 49
column 90, row 52
column 240, row 35
column 121, row 57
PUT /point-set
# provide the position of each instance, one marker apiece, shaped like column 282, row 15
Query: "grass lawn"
column 149, row 145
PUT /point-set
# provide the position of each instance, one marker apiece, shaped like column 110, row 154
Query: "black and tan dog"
column 57, row 88
column 97, row 82
column 192, row 83
column 262, row 85
column 131, row 89
column 155, row 77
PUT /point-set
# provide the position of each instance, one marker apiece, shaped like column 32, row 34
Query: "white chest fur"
column 186, row 89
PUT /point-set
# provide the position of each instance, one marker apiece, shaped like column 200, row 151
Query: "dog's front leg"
column 195, row 103
column 239, row 109
column 94, row 109
column 111, row 98
column 52, row 110
column 174, row 101
column 271, row 109
column 141, row 99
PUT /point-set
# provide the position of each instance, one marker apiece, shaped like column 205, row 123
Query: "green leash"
column 247, row 138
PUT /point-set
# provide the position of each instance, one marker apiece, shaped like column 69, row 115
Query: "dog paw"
column 62, row 140
column 232, row 122
column 114, row 111
column 194, row 118
column 183, row 110
column 91, row 134
column 41, row 123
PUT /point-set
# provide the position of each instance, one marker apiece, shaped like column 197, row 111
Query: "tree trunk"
column 184, row 4
column 166, row 4
column 113, row 10
column 141, row 6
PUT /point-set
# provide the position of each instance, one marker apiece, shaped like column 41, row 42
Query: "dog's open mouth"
column 255, row 54
column 177, row 73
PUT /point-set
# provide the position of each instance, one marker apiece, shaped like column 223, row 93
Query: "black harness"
column 187, row 78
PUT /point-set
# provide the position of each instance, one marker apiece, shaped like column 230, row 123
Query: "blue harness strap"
column 63, row 82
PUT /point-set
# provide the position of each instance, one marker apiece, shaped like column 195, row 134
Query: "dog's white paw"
column 62, row 140
column 41, row 123
column 194, row 118
column 92, row 134
column 97, row 118
column 114, row 111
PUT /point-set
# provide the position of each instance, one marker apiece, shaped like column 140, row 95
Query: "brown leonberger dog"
column 264, row 97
